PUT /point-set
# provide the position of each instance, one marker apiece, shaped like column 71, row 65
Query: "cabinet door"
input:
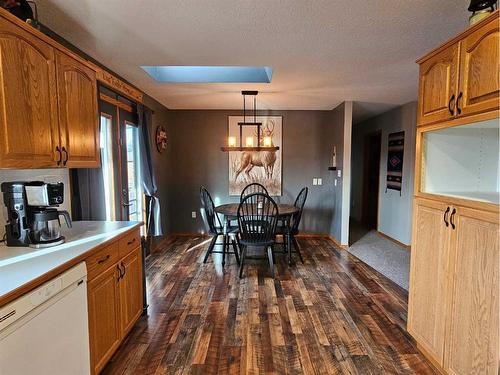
column 428, row 277
column 78, row 116
column 28, row 105
column 438, row 86
column 479, row 73
column 472, row 344
column 104, row 317
column 131, row 290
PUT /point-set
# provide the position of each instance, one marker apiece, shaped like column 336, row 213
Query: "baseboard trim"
column 406, row 247
column 337, row 243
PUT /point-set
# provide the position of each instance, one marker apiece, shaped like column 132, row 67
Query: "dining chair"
column 253, row 188
column 215, row 229
column 257, row 220
column 295, row 221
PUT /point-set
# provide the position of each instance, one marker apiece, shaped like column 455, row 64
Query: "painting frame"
column 245, row 169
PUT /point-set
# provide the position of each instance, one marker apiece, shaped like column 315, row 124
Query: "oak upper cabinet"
column 78, row 116
column 473, row 334
column 428, row 276
column 104, row 311
column 131, row 290
column 461, row 78
column 438, row 86
column 28, row 100
column 479, row 59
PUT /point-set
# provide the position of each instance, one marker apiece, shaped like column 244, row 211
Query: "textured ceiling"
column 322, row 51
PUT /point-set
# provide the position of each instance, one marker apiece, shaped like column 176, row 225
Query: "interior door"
column 429, row 276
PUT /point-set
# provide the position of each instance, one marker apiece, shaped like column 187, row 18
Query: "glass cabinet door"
column 462, row 161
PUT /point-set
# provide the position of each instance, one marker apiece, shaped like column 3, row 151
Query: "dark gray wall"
column 160, row 161
column 395, row 209
column 194, row 158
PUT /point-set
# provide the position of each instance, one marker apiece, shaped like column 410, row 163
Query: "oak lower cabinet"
column 115, row 303
column 453, row 310
column 104, row 313
column 472, row 341
column 429, row 276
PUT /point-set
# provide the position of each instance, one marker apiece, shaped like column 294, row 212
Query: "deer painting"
column 264, row 159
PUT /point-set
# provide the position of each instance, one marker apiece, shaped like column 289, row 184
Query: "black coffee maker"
column 32, row 219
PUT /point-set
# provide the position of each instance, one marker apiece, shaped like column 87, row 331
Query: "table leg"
column 225, row 241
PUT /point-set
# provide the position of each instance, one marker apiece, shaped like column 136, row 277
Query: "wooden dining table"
column 285, row 215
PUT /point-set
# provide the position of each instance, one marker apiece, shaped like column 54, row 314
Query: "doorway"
column 371, row 179
column 121, row 167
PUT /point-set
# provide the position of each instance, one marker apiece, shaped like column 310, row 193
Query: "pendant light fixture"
column 263, row 143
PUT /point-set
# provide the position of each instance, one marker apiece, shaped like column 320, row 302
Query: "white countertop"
column 20, row 265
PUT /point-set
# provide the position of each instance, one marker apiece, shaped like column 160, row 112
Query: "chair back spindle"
column 252, row 189
column 257, row 219
column 211, row 218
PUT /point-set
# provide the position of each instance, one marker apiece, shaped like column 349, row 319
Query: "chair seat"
column 233, row 229
column 284, row 230
column 249, row 242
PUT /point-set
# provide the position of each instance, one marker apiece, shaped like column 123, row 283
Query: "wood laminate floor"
column 331, row 315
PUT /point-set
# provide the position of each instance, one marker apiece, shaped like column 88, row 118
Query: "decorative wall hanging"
column 161, row 139
column 253, row 163
column 395, row 152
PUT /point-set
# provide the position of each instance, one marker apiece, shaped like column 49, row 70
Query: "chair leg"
column 235, row 249
column 225, row 248
column 242, row 260
column 297, row 247
column 270, row 257
column 210, row 248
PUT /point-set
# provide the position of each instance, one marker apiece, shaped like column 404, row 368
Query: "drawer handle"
column 131, row 242
column 452, row 222
column 450, row 108
column 100, row 261
column 7, row 316
column 445, row 218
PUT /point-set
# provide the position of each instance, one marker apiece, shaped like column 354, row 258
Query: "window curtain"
column 87, row 201
column 148, row 178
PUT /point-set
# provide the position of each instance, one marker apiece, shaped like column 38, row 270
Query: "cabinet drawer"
column 102, row 260
column 130, row 242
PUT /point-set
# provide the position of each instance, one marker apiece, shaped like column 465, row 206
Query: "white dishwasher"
column 46, row 330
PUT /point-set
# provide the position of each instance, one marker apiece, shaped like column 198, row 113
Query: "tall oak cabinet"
column 453, row 310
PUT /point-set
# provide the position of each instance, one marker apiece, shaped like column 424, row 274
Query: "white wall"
column 47, row 175
column 395, row 209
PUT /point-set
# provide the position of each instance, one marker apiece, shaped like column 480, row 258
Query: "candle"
column 268, row 142
column 231, row 141
column 249, row 142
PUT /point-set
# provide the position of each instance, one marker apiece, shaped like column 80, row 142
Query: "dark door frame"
column 368, row 148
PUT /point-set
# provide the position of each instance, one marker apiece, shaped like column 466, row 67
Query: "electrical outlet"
column 315, row 181
column 335, row 182
column 339, row 173
column 193, row 214
column 320, row 181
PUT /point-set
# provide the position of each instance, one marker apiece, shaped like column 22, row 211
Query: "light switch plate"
column 193, row 214
column 315, row 181
column 339, row 173
column 320, row 181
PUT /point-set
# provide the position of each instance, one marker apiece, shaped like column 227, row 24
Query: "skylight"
column 210, row 74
